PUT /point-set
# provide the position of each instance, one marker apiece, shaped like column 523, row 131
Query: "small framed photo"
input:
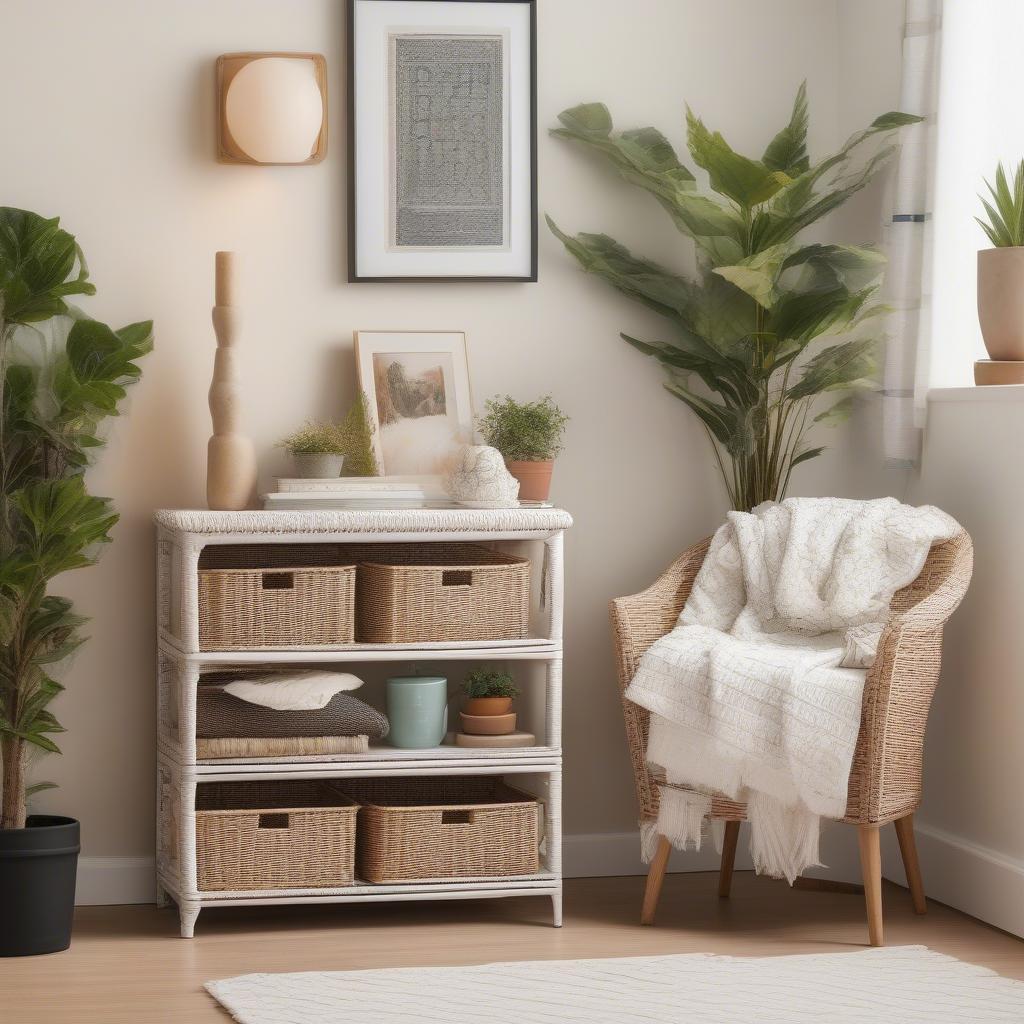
column 442, row 140
column 417, row 386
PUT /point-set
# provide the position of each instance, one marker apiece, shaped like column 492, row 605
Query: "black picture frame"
column 354, row 276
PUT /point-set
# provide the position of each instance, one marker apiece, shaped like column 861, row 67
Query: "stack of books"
column 353, row 492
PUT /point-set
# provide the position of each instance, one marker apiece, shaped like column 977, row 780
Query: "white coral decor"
column 478, row 476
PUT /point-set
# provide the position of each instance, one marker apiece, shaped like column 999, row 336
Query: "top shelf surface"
column 414, row 521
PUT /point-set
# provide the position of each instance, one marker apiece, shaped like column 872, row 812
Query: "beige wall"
column 107, row 119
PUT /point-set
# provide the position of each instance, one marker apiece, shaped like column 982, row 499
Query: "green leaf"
column 836, row 414
column 805, row 456
column 37, row 261
column 787, row 152
column 747, row 182
column 851, row 364
column 39, row 787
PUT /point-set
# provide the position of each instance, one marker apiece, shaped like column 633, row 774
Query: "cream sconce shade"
column 272, row 108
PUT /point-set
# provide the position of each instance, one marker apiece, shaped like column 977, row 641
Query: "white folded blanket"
column 304, row 690
column 756, row 693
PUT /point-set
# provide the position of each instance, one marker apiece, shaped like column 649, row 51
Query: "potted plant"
column 317, row 449
column 529, row 436
column 58, row 385
column 1001, row 268
column 771, row 324
column 487, row 707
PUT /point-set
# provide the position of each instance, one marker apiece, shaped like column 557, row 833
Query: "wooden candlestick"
column 230, row 456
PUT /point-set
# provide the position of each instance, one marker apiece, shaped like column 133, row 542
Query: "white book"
column 348, row 484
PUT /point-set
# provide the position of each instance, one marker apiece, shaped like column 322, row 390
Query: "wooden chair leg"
column 732, row 835
column 908, row 850
column 871, row 868
column 655, row 876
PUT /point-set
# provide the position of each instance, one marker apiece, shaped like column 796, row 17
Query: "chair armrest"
column 637, row 621
column 888, row 760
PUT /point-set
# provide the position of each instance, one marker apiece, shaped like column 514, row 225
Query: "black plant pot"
column 37, row 885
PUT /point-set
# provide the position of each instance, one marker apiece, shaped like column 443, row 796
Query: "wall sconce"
column 272, row 108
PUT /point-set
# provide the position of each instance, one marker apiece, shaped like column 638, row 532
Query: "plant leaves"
column 787, row 152
column 747, row 182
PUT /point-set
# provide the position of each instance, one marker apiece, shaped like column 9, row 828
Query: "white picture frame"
column 419, row 401
column 442, row 140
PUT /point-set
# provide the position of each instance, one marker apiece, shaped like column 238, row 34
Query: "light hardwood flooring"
column 127, row 964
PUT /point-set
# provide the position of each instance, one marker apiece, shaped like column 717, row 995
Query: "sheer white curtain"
column 908, row 237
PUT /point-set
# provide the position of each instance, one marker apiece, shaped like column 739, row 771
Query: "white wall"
column 106, row 115
column 970, row 827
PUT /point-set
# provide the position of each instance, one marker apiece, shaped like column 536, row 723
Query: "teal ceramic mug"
column 417, row 711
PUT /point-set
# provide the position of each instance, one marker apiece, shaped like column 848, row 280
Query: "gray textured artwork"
column 447, row 108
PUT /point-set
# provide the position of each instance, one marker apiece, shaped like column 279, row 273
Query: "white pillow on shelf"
column 307, row 690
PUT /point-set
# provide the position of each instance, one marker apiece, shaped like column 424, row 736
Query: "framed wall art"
column 442, row 140
column 417, row 386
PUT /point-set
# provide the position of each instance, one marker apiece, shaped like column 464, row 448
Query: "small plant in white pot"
column 529, row 436
column 317, row 449
column 1001, row 268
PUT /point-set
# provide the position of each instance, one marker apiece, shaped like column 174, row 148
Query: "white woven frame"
column 181, row 538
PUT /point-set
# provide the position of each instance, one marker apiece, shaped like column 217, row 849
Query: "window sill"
column 988, row 393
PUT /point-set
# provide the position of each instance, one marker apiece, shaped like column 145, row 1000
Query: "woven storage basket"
column 416, row 828
column 273, row 835
column 442, row 593
column 272, row 595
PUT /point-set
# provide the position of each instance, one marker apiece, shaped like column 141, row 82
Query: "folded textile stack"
column 281, row 714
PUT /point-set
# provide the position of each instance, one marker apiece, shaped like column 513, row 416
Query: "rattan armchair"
column 885, row 780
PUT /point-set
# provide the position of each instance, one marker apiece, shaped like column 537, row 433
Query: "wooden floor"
column 127, row 964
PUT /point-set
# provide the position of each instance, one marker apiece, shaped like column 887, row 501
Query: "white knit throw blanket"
column 756, row 693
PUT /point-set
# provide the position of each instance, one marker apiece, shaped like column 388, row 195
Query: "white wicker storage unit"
column 181, row 537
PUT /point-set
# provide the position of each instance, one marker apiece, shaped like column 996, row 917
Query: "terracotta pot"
column 534, row 479
column 1001, row 301
column 487, row 705
column 488, row 725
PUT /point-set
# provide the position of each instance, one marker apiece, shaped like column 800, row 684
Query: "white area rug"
column 878, row 986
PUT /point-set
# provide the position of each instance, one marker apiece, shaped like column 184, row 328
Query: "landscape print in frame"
column 420, row 405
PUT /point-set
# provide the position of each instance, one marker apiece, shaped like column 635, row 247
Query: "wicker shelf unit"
column 182, row 537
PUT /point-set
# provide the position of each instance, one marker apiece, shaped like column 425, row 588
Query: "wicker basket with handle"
column 442, row 593
column 274, row 835
column 259, row 596
column 461, row 827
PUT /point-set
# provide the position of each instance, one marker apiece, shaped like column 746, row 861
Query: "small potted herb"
column 317, row 449
column 487, row 708
column 529, row 436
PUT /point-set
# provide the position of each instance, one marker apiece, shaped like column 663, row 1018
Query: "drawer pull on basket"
column 273, row 821
column 278, row 581
column 456, row 578
column 456, row 818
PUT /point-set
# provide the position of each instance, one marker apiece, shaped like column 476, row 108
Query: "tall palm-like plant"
column 61, row 374
column 752, row 328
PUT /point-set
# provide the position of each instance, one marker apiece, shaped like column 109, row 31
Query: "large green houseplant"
column 752, row 327
column 61, row 374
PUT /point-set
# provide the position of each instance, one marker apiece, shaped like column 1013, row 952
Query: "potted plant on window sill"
column 529, row 436
column 54, row 399
column 1001, row 270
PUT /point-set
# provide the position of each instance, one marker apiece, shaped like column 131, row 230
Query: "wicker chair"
column 885, row 779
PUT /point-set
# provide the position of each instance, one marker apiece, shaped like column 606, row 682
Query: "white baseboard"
column 103, row 881
column 981, row 882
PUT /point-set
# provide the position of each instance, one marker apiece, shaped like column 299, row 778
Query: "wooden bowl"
column 488, row 725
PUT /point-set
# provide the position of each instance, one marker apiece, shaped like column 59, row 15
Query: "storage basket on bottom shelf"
column 461, row 827
column 447, row 593
column 275, row 595
column 273, row 835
